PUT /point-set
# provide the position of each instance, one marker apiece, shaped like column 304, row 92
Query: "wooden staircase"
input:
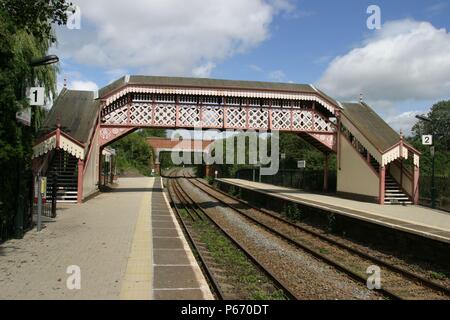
column 394, row 193
column 64, row 168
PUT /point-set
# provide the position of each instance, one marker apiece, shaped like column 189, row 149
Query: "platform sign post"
column 36, row 96
column 301, row 164
column 41, row 196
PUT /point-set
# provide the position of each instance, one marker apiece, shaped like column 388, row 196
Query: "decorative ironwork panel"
column 212, row 117
column 165, row 115
column 327, row 139
column 141, row 114
column 281, row 119
column 189, row 116
column 109, row 134
column 118, row 117
column 121, row 102
column 302, row 120
column 236, row 118
column 258, row 118
column 320, row 124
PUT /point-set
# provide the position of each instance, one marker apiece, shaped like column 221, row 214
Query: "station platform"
column 126, row 243
column 426, row 222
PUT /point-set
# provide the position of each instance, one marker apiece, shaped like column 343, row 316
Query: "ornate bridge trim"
column 216, row 112
column 253, row 94
column 172, row 115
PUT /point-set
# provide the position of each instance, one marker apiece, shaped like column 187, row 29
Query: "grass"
column 252, row 283
column 437, row 275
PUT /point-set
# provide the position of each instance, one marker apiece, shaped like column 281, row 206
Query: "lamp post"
column 47, row 60
column 432, row 150
column 51, row 59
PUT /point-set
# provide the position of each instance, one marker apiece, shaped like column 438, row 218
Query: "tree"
column 440, row 124
column 25, row 34
column 133, row 154
column 36, row 17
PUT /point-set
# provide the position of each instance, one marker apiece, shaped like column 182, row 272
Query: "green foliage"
column 440, row 117
column 295, row 149
column 35, row 17
column 25, row 34
column 293, row 212
column 210, row 180
column 150, row 132
column 332, row 223
column 133, row 152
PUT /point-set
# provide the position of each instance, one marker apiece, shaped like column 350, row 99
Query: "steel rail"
column 288, row 292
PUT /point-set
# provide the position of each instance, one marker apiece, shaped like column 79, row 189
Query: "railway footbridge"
column 374, row 163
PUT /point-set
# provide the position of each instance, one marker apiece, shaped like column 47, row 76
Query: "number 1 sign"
column 36, row 96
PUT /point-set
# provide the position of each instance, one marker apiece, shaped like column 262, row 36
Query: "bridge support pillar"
column 157, row 168
column 416, row 185
column 325, row 173
column 209, row 171
column 382, row 184
column 80, row 181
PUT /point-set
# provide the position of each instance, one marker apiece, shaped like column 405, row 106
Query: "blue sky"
column 401, row 69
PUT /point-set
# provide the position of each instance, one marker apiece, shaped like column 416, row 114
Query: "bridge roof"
column 371, row 125
column 76, row 111
column 208, row 83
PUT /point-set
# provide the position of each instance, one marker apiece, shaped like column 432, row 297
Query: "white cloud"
column 204, row 70
column 83, row 85
column 170, row 37
column 255, row 68
column 404, row 60
column 277, row 75
column 404, row 121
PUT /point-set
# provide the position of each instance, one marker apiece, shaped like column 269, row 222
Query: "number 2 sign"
column 427, row 140
column 36, row 96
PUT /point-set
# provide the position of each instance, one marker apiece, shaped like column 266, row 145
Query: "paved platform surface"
column 110, row 238
column 176, row 272
column 419, row 220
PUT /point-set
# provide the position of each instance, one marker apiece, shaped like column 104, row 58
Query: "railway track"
column 397, row 283
column 287, row 267
column 181, row 201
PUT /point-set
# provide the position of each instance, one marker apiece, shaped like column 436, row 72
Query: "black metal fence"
column 307, row 180
column 442, row 186
column 7, row 226
column 46, row 210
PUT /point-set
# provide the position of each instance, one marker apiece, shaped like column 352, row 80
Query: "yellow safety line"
column 138, row 279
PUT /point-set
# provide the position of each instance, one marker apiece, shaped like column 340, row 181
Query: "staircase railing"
column 359, row 148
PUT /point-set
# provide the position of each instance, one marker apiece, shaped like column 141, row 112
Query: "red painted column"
column 58, row 137
column 382, row 184
column 416, row 185
column 325, row 173
column 209, row 171
column 80, row 181
column 157, row 168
